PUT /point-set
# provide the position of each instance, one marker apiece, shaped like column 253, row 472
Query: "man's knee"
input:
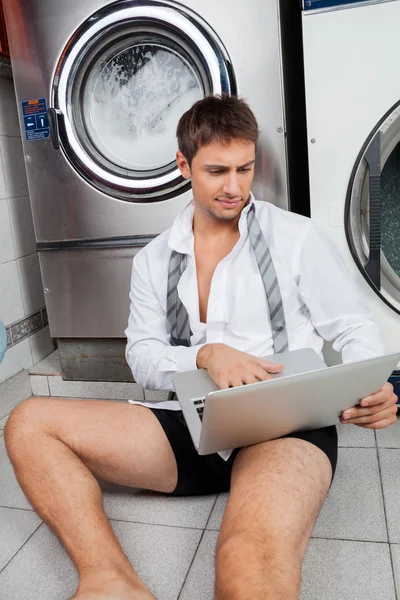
column 26, row 420
column 251, row 552
column 260, row 544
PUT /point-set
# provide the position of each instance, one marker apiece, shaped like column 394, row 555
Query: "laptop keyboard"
column 199, row 404
column 200, row 411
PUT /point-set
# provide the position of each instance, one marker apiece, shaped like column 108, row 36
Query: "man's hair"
column 215, row 119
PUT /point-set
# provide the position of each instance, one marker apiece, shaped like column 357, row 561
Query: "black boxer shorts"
column 211, row 474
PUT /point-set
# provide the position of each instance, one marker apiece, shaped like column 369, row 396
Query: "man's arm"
column 149, row 354
column 335, row 305
column 339, row 315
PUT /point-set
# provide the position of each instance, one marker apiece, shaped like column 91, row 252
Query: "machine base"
column 96, row 359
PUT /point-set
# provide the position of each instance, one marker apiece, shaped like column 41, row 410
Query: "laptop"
column 305, row 395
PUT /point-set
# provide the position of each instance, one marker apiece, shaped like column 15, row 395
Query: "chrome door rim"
column 356, row 223
column 190, row 26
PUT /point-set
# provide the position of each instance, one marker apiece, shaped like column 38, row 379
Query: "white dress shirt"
column 320, row 299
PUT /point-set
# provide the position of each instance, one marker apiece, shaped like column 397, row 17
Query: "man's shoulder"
column 274, row 216
column 155, row 249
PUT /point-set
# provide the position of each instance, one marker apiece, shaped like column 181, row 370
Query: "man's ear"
column 183, row 165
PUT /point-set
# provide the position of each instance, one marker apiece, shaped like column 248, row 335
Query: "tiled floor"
column 354, row 553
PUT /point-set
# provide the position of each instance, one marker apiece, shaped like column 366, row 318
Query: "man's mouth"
column 229, row 202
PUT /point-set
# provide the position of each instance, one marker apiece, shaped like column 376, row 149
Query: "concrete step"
column 46, row 380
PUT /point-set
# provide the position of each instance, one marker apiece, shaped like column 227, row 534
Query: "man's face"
column 221, row 176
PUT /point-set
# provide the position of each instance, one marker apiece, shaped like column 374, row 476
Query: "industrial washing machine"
column 352, row 82
column 100, row 88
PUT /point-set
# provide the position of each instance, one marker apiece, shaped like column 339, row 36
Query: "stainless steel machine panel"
column 80, row 287
column 74, row 191
column 117, row 77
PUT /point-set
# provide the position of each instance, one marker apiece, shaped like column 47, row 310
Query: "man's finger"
column 235, row 381
column 269, row 366
column 261, row 373
column 223, row 384
column 358, row 411
column 379, row 397
column 380, row 424
column 374, row 417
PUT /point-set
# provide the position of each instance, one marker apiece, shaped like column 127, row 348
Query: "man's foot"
column 112, row 586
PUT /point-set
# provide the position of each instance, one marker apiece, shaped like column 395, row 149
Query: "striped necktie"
column 178, row 318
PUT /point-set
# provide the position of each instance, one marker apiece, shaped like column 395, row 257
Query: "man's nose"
column 231, row 184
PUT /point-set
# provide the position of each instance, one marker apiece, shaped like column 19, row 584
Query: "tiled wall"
column 22, row 305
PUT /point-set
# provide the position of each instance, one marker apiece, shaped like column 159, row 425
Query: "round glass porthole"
column 377, row 227
column 128, row 75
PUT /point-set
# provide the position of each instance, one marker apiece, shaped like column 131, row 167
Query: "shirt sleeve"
column 334, row 302
column 153, row 361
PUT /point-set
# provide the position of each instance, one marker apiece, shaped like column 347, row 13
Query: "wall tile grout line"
column 6, row 262
column 19, row 549
column 12, row 229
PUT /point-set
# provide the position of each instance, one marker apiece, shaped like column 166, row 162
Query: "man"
column 199, row 299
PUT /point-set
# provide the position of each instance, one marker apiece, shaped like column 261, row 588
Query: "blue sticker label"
column 35, row 119
column 320, row 4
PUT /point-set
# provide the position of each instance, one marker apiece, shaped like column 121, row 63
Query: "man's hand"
column 376, row 411
column 231, row 368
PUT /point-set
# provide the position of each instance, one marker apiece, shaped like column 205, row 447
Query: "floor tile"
column 390, row 469
column 140, row 506
column 199, row 584
column 16, row 527
column 11, row 495
column 101, row 390
column 395, row 549
column 218, row 512
column 3, row 422
column 343, row 570
column 13, row 391
column 389, row 437
column 161, row 556
column 352, row 436
column 48, row 366
column 332, row 570
column 356, row 486
column 40, row 385
column 41, row 569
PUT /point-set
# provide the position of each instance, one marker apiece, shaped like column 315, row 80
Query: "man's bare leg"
column 277, row 491
column 57, row 447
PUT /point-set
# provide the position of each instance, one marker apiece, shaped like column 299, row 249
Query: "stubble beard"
column 224, row 217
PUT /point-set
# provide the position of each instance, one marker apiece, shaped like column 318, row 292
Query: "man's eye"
column 244, row 170
column 216, row 172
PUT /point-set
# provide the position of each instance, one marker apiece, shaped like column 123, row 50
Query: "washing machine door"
column 372, row 216
column 125, row 78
